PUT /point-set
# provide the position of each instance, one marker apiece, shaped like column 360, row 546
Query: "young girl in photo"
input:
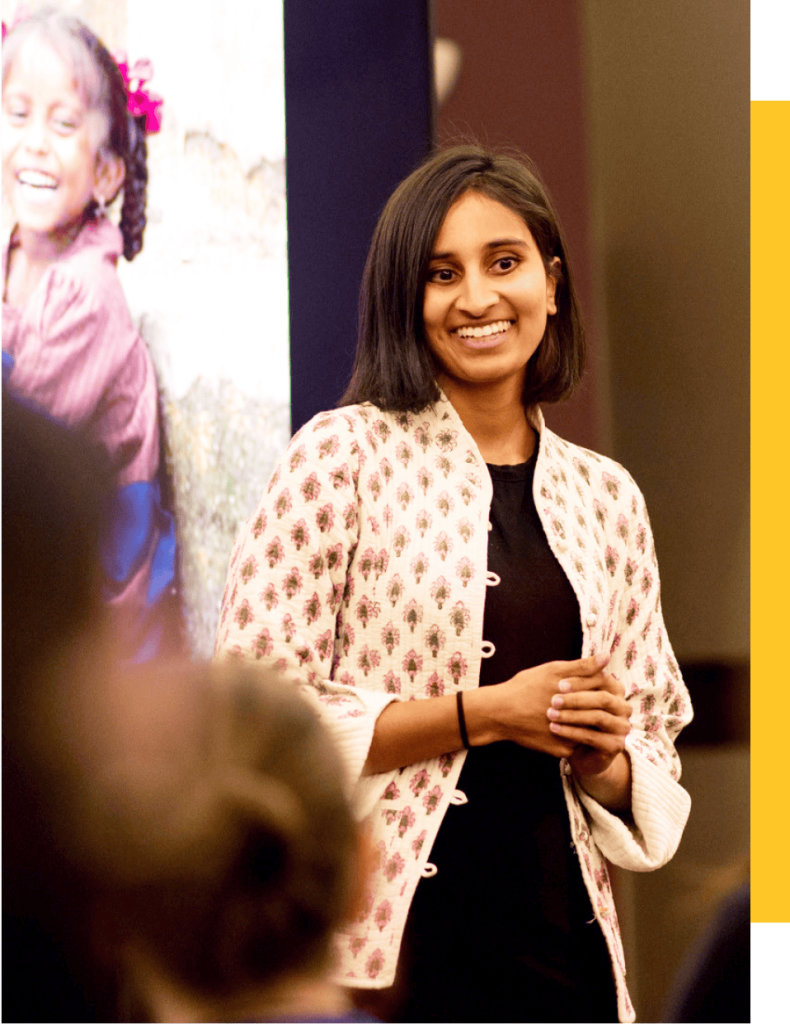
column 74, row 140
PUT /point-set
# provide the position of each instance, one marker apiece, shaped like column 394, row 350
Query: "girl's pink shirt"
column 78, row 357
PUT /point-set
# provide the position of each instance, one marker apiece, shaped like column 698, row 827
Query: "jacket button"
column 591, row 620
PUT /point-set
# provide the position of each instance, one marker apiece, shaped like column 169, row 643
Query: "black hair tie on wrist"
column 459, row 703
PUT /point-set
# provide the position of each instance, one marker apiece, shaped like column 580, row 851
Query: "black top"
column 509, row 892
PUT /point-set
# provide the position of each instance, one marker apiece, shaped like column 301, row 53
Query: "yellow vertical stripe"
column 770, row 447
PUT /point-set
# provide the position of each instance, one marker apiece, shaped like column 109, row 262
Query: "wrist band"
column 459, row 703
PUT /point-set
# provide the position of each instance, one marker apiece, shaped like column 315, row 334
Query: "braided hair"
column 98, row 77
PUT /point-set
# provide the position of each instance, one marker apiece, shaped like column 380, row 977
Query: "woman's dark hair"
column 394, row 368
column 97, row 75
column 216, row 824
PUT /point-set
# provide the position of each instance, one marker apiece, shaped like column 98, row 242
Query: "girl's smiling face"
column 487, row 294
column 51, row 163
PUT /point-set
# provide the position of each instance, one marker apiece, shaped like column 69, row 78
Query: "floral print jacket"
column 362, row 577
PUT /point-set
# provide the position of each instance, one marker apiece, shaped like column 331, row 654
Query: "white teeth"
column 483, row 332
column 37, row 179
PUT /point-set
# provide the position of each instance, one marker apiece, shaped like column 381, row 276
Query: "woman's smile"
column 485, row 336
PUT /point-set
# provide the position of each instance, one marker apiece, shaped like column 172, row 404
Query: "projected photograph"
column 162, row 326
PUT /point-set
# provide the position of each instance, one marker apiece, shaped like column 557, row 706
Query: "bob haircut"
column 394, row 368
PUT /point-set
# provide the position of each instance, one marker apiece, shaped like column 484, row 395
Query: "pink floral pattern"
column 373, row 538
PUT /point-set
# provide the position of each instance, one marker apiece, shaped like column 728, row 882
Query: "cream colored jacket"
column 362, row 577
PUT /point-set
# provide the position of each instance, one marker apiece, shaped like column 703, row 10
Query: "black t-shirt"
column 509, row 892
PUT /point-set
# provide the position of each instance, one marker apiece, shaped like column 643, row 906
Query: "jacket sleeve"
column 642, row 659
column 288, row 574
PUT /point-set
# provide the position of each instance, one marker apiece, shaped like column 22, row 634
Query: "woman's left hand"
column 597, row 719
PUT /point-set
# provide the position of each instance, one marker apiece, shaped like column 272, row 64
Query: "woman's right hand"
column 516, row 709
column 410, row 731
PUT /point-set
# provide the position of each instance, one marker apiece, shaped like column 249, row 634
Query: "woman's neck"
column 496, row 418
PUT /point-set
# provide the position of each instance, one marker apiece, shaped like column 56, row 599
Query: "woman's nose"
column 477, row 293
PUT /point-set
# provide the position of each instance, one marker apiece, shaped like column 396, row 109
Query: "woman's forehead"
column 475, row 216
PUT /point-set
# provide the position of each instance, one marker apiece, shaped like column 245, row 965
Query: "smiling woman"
column 488, row 295
column 473, row 604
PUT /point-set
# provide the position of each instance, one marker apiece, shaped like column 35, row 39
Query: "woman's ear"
column 108, row 177
column 552, row 277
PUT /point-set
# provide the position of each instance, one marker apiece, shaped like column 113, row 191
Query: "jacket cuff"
column 353, row 734
column 647, row 838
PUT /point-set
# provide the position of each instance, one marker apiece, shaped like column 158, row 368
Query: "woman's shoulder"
column 599, row 475
column 366, row 423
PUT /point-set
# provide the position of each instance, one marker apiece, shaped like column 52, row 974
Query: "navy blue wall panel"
column 359, row 117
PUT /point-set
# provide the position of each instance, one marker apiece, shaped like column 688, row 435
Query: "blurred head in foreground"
column 212, row 816
column 56, row 635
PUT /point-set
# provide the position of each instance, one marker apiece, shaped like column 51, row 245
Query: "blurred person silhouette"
column 714, row 980
column 212, row 818
column 55, row 632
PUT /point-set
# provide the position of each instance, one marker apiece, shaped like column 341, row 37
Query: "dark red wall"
column 522, row 85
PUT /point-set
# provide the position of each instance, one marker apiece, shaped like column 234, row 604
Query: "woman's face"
column 487, row 294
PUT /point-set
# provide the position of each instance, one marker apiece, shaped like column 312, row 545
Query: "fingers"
column 598, row 681
column 582, row 667
column 608, row 742
column 590, row 700
column 591, row 709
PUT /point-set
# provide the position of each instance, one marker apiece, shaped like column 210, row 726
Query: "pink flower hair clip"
column 142, row 101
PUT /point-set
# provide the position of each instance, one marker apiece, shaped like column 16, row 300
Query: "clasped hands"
column 577, row 710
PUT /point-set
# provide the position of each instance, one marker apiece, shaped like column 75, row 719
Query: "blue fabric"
column 136, row 523
column 131, row 527
column 8, row 366
column 163, row 564
column 136, row 516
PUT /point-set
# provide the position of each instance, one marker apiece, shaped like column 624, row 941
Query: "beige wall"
column 669, row 160
column 669, row 151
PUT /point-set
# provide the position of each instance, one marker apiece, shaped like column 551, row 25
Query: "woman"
column 433, row 539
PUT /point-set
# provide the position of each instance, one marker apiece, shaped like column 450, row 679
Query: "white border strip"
column 770, row 32
column 770, row 958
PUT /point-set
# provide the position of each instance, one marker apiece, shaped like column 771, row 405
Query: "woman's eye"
column 16, row 115
column 441, row 275
column 506, row 263
column 64, row 124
